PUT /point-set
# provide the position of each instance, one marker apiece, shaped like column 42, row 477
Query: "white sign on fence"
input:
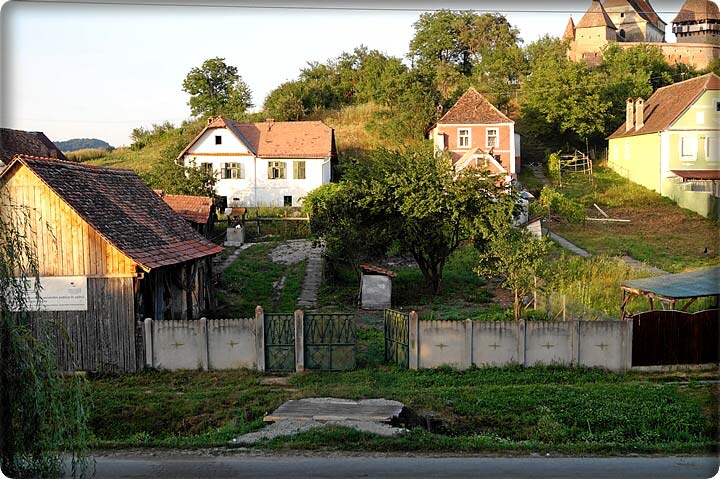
column 58, row 293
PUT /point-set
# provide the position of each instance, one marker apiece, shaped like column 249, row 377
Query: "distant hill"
column 81, row 144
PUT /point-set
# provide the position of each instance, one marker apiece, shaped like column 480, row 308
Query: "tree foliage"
column 42, row 417
column 413, row 197
column 215, row 88
column 515, row 254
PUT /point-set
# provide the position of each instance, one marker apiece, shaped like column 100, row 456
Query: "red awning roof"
column 376, row 269
column 698, row 174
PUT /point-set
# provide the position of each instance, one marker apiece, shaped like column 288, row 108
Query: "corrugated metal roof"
column 696, row 284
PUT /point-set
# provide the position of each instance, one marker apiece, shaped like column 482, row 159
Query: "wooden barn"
column 111, row 252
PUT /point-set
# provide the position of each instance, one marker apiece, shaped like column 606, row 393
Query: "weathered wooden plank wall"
column 103, row 338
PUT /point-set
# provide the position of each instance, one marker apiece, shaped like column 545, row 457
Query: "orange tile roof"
column 370, row 268
column 123, row 210
column 596, row 16
column 279, row 139
column 193, row 208
column 668, row 103
column 473, row 108
column 569, row 30
column 696, row 10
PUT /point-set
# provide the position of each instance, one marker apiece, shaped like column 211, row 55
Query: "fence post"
column 203, row 353
column 521, row 342
column 299, row 340
column 413, row 341
column 627, row 350
column 468, row 343
column 147, row 326
column 259, row 338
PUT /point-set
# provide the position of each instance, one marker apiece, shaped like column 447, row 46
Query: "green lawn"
column 511, row 409
column 660, row 233
column 248, row 282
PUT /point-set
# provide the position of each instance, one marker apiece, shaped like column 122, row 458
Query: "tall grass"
column 81, row 156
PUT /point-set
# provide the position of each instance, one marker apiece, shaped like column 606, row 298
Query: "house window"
column 717, row 105
column 287, row 200
column 688, row 148
column 206, row 168
column 276, row 170
column 464, row 138
column 492, row 137
column 233, row 171
column 218, row 140
column 711, row 146
column 299, row 170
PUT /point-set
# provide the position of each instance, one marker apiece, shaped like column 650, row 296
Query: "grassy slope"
column 660, row 233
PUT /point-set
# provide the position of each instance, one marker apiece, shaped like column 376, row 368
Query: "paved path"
column 232, row 257
column 306, row 465
column 313, row 278
column 568, row 245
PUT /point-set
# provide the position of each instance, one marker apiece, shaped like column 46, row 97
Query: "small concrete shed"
column 376, row 287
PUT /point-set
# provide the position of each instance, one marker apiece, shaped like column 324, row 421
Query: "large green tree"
column 412, row 197
column 215, row 88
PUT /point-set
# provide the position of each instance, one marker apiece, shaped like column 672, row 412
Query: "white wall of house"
column 254, row 187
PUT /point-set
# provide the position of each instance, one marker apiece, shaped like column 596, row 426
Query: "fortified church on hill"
column 634, row 22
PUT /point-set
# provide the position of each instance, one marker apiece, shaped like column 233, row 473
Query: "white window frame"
column 205, row 165
column 281, row 168
column 690, row 142
column 496, row 136
column 464, row 137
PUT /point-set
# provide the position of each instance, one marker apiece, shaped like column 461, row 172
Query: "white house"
column 274, row 163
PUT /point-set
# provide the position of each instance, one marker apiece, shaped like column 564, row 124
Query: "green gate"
column 397, row 338
column 280, row 342
column 329, row 341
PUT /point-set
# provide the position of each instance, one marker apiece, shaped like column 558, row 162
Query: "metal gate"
column 280, row 342
column 329, row 341
column 675, row 337
column 397, row 338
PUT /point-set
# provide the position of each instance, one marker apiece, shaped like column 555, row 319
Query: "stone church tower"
column 698, row 22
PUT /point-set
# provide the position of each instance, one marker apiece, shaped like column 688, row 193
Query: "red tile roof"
column 596, row 16
column 279, row 139
column 473, row 108
column 668, row 103
column 696, row 10
column 19, row 142
column 569, row 30
column 698, row 174
column 193, row 208
column 377, row 269
column 123, row 210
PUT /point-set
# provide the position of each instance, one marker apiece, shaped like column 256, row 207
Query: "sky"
column 96, row 70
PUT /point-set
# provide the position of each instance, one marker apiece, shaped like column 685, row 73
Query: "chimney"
column 629, row 116
column 639, row 113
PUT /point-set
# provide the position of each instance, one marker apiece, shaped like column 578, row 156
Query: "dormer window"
column 218, row 140
column 464, row 138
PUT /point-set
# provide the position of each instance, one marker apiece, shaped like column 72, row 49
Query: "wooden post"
column 299, row 341
column 259, row 338
column 563, row 306
column 534, row 293
column 413, row 341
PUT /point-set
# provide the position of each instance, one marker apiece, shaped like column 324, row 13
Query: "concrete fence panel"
column 231, row 343
column 179, row 344
column 549, row 342
column 443, row 343
column 496, row 343
column 603, row 344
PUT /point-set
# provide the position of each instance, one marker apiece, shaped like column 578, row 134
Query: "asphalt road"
column 393, row 466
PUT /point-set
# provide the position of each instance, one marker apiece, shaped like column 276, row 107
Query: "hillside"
column 355, row 134
column 76, row 144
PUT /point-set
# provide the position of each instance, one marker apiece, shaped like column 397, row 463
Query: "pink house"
column 478, row 134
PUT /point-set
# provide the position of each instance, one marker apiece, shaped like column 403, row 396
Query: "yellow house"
column 669, row 143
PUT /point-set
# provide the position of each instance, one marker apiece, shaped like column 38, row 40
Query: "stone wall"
column 462, row 344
